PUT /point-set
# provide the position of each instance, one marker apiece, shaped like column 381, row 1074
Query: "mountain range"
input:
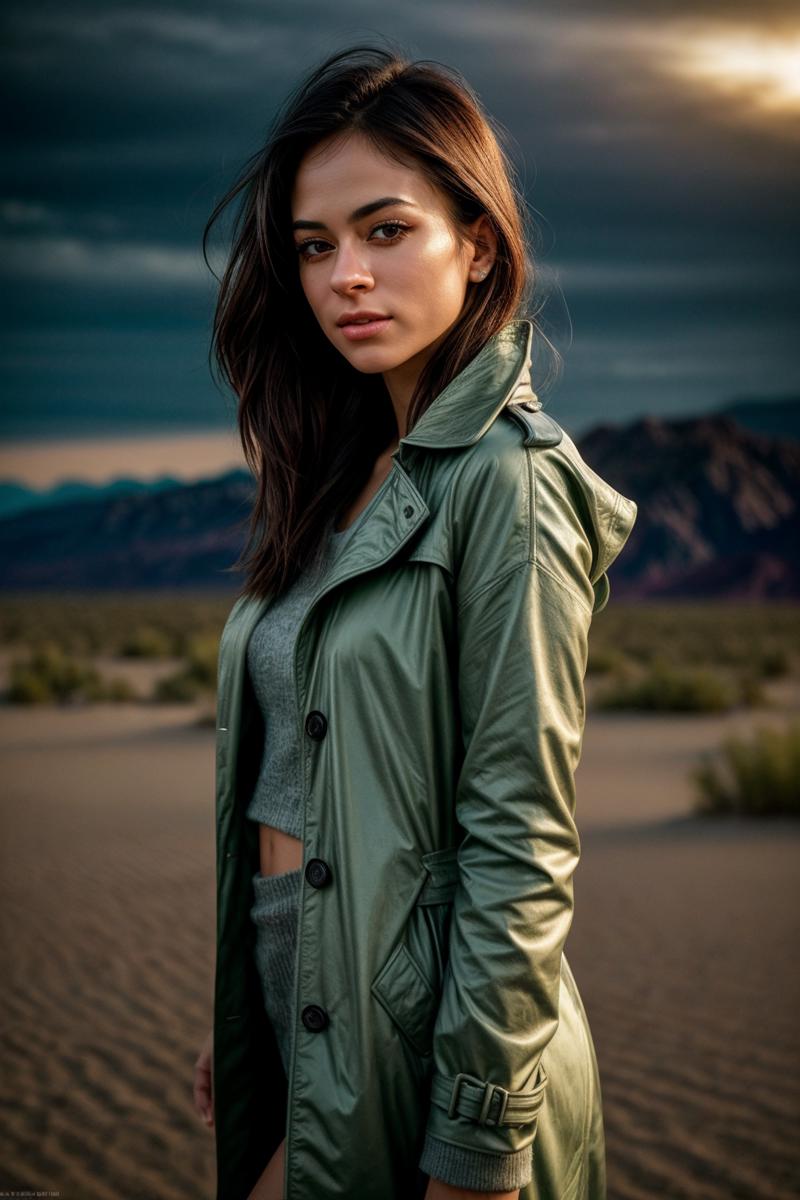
column 717, row 519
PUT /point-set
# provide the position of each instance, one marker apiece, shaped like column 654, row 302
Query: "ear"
column 484, row 241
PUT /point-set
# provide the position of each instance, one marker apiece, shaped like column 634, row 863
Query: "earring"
column 482, row 274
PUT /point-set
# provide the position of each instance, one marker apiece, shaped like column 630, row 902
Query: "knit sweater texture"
column 277, row 800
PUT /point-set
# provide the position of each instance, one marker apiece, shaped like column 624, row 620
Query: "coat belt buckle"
column 488, row 1095
column 489, row 1090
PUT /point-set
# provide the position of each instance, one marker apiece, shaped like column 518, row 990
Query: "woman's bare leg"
column 270, row 1182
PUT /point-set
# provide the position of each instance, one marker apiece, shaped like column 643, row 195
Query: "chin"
column 370, row 360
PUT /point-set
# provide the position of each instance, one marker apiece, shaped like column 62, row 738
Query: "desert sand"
column 683, row 945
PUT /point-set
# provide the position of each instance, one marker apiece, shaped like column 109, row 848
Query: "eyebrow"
column 356, row 215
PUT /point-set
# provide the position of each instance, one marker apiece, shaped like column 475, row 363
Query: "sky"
column 657, row 145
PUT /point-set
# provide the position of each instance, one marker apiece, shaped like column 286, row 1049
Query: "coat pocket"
column 409, row 984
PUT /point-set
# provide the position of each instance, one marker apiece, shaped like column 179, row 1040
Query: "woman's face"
column 401, row 260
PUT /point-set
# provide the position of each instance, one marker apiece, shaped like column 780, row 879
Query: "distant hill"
column 183, row 536
column 718, row 507
column 717, row 519
column 16, row 497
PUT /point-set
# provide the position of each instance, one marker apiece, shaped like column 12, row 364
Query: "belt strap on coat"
column 441, row 879
column 485, row 1102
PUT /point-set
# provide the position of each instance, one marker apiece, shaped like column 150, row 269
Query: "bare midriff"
column 280, row 852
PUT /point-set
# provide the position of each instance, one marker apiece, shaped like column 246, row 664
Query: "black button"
column 408, row 511
column 318, row 873
column 315, row 1018
column 316, row 725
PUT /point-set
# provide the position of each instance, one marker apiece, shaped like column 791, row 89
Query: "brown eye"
column 392, row 225
column 301, row 246
column 389, row 225
column 401, row 228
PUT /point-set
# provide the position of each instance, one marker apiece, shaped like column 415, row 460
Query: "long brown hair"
column 311, row 425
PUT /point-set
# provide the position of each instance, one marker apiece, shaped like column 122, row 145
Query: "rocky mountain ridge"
column 717, row 519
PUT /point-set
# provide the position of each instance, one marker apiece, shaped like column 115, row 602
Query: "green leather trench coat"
column 439, row 675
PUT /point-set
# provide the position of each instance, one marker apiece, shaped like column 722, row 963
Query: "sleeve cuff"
column 476, row 1169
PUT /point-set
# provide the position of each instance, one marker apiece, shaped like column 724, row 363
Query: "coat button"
column 408, row 511
column 316, row 725
column 315, row 1018
column 318, row 873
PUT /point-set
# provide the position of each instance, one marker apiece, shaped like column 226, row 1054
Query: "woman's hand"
column 203, row 1090
column 439, row 1190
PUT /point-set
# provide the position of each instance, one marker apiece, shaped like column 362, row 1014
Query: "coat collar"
column 464, row 410
column 459, row 416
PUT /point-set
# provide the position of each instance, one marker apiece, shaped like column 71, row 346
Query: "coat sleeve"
column 522, row 653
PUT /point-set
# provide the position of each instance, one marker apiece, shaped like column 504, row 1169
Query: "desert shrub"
column 85, row 623
column 28, row 687
column 604, row 660
column 202, row 658
column 751, row 689
column 775, row 663
column 663, row 688
column 50, row 675
column 178, row 688
column 197, row 676
column 759, row 777
column 146, row 641
column 758, row 638
column 116, row 690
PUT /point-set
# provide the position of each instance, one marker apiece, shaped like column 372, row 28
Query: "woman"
column 394, row 1014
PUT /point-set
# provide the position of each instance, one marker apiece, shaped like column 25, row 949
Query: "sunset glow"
column 763, row 69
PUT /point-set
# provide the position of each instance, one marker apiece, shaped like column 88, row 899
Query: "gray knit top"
column 277, row 800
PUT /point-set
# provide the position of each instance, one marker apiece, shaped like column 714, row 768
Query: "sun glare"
column 764, row 70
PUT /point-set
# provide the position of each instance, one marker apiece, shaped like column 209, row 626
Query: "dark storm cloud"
column 665, row 204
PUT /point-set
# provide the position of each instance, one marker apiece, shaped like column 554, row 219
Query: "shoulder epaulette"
column 538, row 427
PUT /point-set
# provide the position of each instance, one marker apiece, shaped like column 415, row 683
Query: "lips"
column 356, row 330
column 361, row 318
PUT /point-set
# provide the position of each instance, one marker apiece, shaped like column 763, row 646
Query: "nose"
column 350, row 271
